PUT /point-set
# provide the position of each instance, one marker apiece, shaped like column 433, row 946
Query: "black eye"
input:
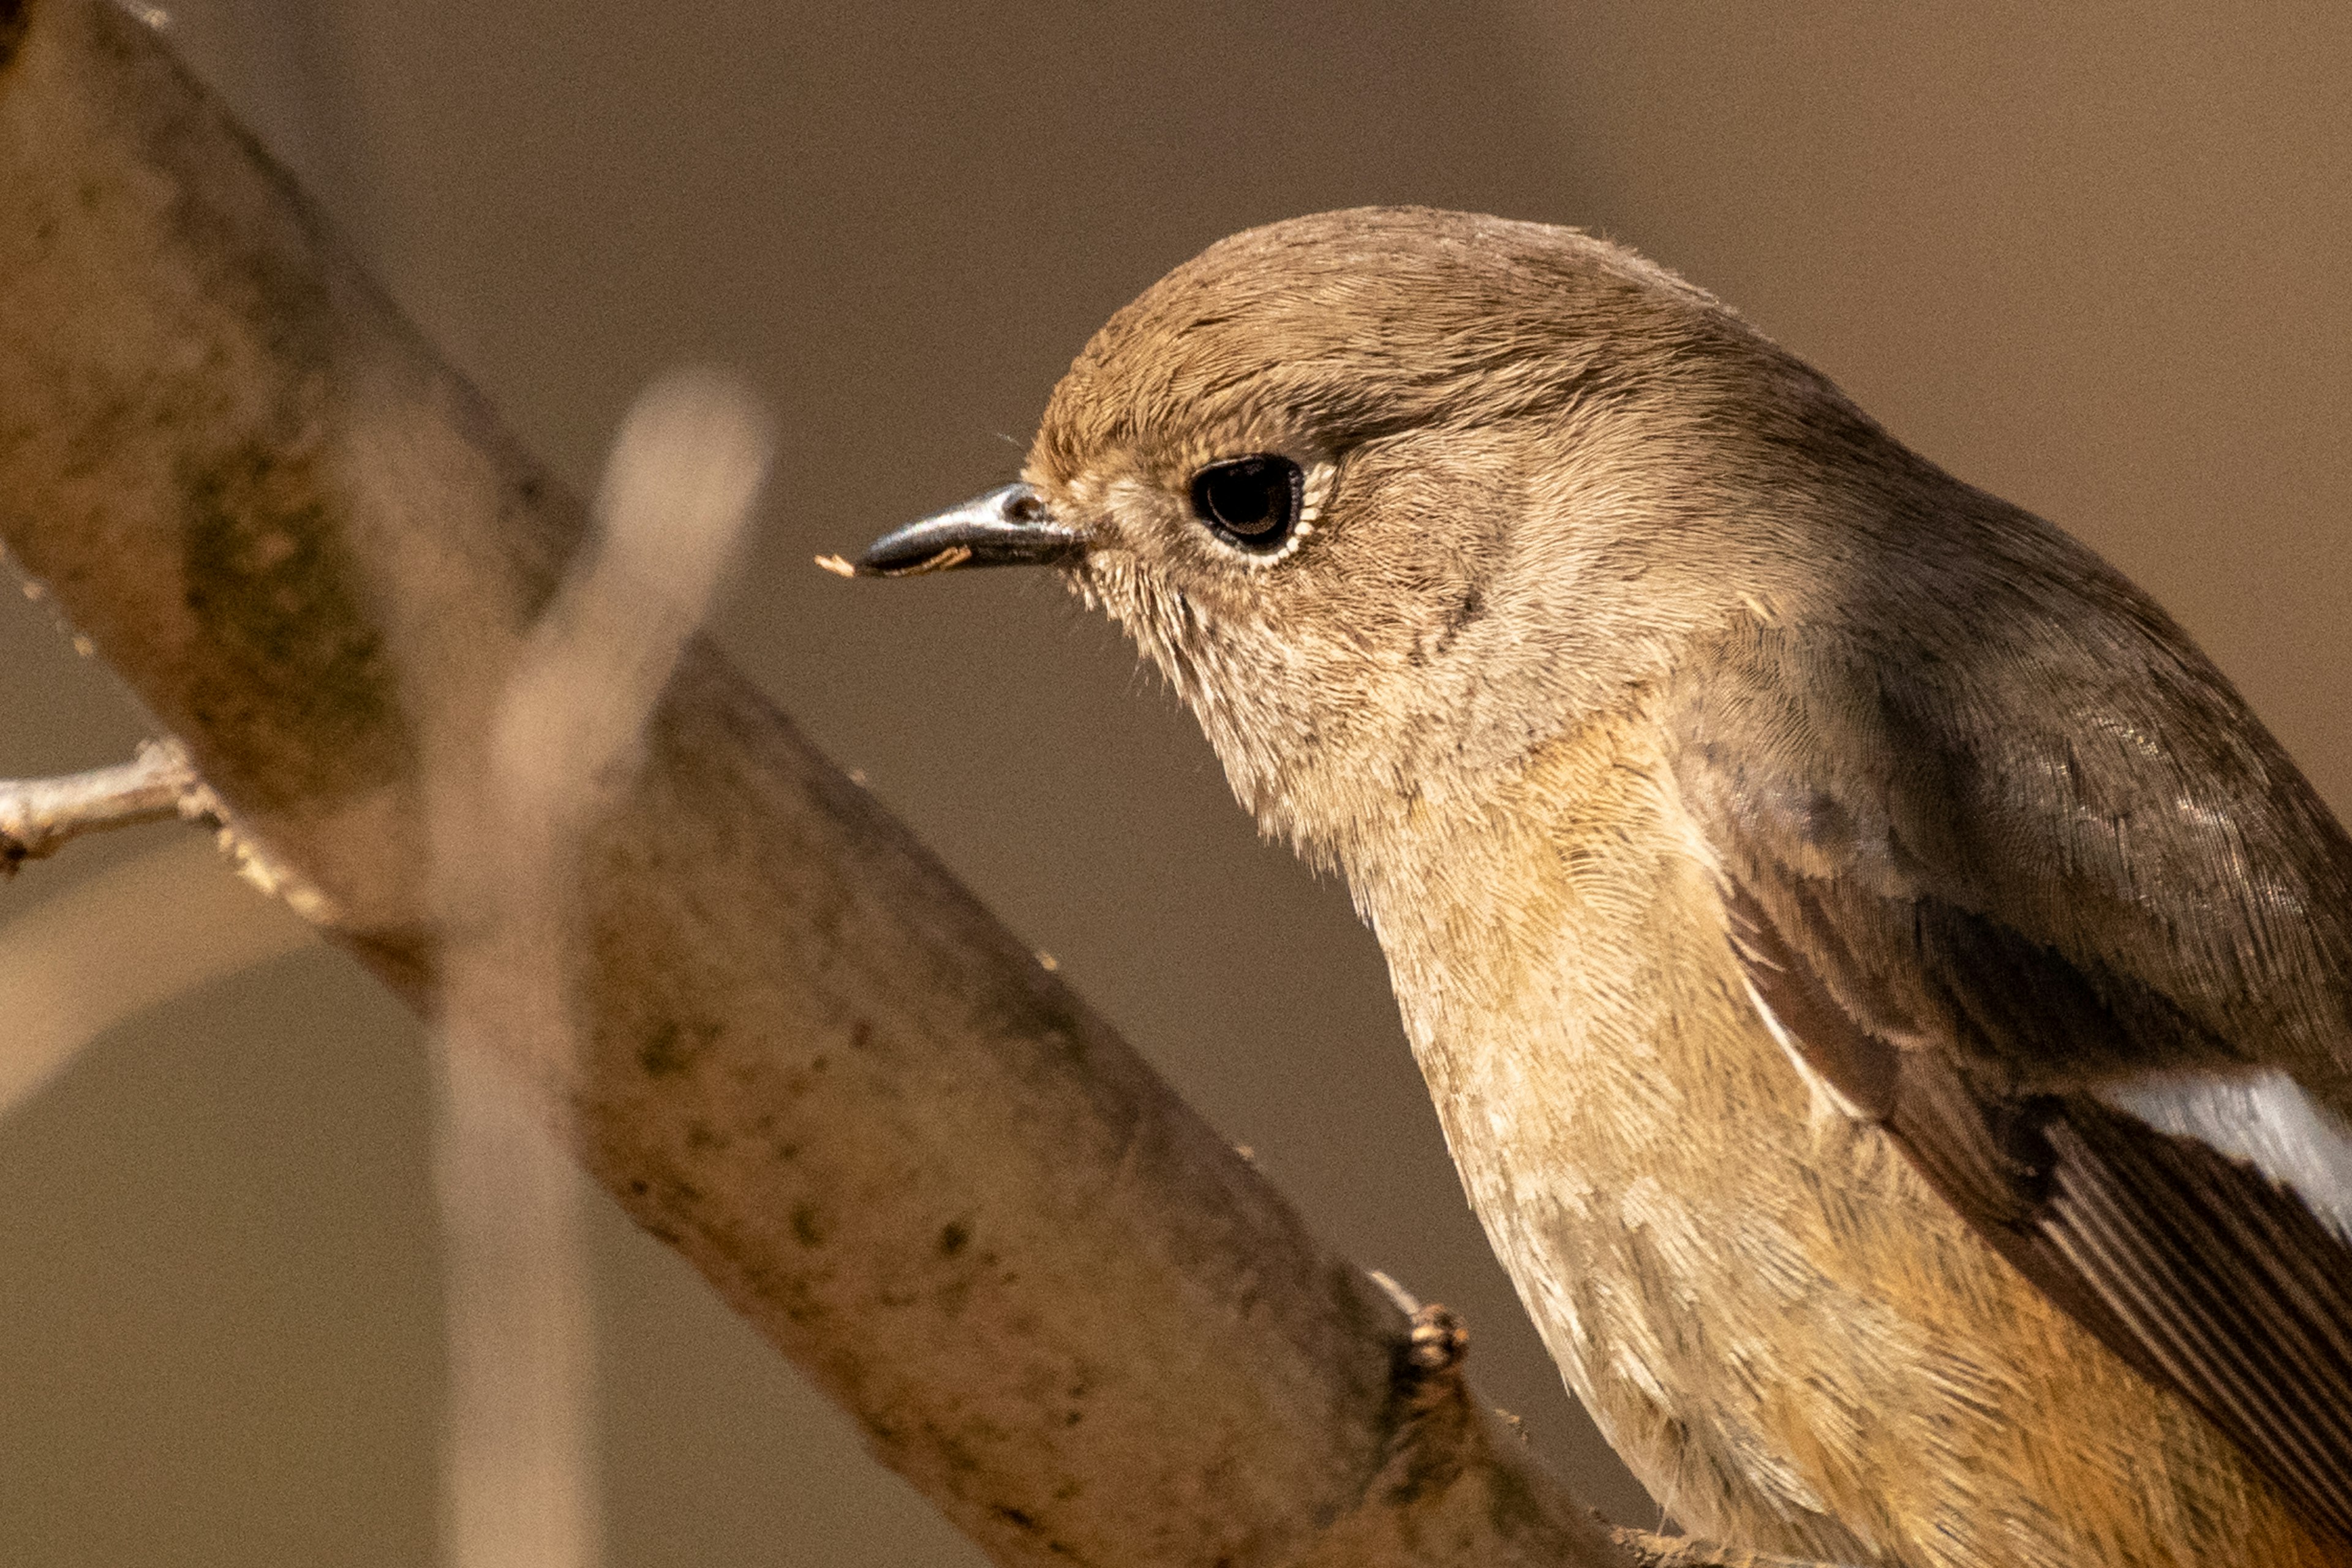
column 1249, row 502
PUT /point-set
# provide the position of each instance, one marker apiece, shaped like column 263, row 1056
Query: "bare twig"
column 1055, row 1300
column 1672, row 1552
column 40, row 816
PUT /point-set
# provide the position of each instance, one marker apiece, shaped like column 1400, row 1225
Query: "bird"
column 1887, row 997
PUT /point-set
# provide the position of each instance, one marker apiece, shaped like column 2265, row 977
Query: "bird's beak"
column 1009, row 526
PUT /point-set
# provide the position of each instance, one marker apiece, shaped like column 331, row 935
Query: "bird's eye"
column 1252, row 502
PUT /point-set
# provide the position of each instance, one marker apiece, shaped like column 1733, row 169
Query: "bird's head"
column 1391, row 496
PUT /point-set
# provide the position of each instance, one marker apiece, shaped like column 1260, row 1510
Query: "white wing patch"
column 1825, row 1097
column 2263, row 1118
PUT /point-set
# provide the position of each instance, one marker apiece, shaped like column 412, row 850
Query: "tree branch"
column 1056, row 1302
column 40, row 816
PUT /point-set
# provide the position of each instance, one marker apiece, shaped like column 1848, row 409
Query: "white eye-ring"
column 1262, row 507
column 1315, row 493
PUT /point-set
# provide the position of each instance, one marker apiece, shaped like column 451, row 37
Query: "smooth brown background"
column 2092, row 258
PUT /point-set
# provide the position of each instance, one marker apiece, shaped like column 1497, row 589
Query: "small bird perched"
column 1889, row 1000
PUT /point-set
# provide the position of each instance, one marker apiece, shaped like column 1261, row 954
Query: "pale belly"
column 1789, row 1337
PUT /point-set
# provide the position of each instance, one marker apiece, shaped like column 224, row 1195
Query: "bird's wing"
column 2097, row 992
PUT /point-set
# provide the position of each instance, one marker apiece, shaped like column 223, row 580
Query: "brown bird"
column 1890, row 1000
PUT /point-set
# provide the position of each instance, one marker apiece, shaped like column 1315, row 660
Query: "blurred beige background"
column 2092, row 258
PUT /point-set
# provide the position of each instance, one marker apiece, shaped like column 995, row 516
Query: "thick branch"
column 921, row 1165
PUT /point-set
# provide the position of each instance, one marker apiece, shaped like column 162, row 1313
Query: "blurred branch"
column 40, row 816
column 509, row 808
column 808, row 1058
column 113, row 945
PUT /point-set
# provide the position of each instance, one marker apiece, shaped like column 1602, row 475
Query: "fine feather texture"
column 1804, row 879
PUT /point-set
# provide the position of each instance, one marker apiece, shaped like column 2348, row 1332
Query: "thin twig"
column 1680, row 1551
column 40, row 816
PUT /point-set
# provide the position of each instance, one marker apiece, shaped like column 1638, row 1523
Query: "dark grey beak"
column 1009, row 526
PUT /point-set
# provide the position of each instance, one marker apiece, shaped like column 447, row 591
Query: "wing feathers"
column 2264, row 1117
column 2230, row 1282
column 2197, row 1267
column 2100, row 994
